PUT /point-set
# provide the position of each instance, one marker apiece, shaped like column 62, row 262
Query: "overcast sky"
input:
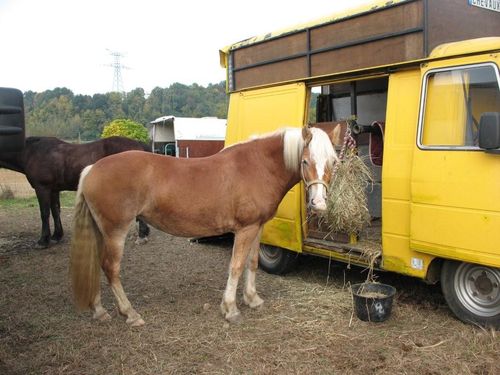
column 64, row 43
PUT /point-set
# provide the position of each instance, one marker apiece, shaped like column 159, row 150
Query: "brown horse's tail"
column 86, row 249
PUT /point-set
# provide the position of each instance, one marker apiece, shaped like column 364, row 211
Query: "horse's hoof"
column 138, row 322
column 102, row 317
column 56, row 239
column 141, row 241
column 42, row 245
column 255, row 303
column 234, row 318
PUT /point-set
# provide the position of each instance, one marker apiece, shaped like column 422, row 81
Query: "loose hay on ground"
column 302, row 328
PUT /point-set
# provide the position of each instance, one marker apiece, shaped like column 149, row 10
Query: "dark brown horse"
column 52, row 165
column 236, row 190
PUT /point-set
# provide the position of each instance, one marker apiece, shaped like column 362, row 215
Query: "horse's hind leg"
column 243, row 241
column 55, row 208
column 111, row 266
column 100, row 312
column 143, row 232
column 250, row 296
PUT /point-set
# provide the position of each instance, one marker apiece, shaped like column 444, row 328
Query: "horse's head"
column 316, row 166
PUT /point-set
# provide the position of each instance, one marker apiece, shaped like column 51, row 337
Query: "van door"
column 261, row 111
column 455, row 186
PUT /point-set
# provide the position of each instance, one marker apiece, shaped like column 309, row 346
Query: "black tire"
column 472, row 292
column 276, row 260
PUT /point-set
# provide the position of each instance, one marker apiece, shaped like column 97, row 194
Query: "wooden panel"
column 271, row 50
column 388, row 21
column 462, row 22
column 381, row 52
column 281, row 71
column 382, row 37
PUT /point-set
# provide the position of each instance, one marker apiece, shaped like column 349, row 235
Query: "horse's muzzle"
column 317, row 206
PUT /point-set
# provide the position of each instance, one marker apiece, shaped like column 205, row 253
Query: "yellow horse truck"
column 417, row 83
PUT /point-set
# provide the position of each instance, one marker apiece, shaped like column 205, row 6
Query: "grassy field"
column 67, row 200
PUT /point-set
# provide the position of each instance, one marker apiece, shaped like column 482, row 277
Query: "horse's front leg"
column 43, row 196
column 243, row 241
column 55, row 208
column 250, row 296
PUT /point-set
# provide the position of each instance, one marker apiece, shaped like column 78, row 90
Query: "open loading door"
column 261, row 111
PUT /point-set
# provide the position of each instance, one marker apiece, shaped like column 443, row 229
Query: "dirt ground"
column 305, row 327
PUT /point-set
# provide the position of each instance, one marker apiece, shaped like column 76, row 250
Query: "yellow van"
column 421, row 79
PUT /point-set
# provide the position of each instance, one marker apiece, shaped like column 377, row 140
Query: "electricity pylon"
column 117, row 71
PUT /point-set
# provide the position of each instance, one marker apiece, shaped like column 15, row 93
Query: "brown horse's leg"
column 143, row 232
column 243, row 241
column 55, row 208
column 111, row 266
column 250, row 296
column 43, row 196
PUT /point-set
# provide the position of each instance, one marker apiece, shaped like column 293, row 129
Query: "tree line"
column 61, row 113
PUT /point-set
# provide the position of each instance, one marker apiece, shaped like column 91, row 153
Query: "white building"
column 187, row 136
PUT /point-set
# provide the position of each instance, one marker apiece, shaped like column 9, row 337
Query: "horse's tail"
column 86, row 249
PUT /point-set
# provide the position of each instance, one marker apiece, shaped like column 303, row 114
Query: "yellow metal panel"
column 455, row 204
column 466, row 47
column 399, row 144
column 398, row 257
column 261, row 111
column 456, row 233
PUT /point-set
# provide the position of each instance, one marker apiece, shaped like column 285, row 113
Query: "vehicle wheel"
column 276, row 260
column 472, row 292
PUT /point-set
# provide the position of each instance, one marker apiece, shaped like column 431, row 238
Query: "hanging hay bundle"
column 347, row 208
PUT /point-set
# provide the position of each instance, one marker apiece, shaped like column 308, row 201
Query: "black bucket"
column 373, row 301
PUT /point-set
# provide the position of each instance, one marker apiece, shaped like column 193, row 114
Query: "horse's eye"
column 304, row 161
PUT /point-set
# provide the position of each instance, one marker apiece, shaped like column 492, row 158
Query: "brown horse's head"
column 316, row 165
column 312, row 152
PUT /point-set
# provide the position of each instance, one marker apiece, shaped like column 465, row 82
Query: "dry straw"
column 347, row 207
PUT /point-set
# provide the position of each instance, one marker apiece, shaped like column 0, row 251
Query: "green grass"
column 67, row 200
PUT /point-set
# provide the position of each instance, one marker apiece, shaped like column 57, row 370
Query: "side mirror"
column 12, row 131
column 489, row 132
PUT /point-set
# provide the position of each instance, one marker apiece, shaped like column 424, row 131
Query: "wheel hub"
column 484, row 284
column 478, row 288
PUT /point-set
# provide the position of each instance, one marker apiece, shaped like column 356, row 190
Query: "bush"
column 126, row 128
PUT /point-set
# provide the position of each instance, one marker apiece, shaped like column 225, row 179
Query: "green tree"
column 126, row 128
column 134, row 105
column 62, row 114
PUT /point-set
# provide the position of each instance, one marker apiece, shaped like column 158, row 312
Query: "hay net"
column 347, row 205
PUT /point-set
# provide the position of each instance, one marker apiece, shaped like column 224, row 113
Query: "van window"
column 455, row 99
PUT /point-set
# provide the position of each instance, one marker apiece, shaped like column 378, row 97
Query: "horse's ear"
column 306, row 134
column 335, row 135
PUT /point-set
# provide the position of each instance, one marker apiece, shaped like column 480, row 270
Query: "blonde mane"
column 293, row 145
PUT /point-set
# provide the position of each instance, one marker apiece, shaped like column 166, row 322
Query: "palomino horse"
column 237, row 190
column 52, row 165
